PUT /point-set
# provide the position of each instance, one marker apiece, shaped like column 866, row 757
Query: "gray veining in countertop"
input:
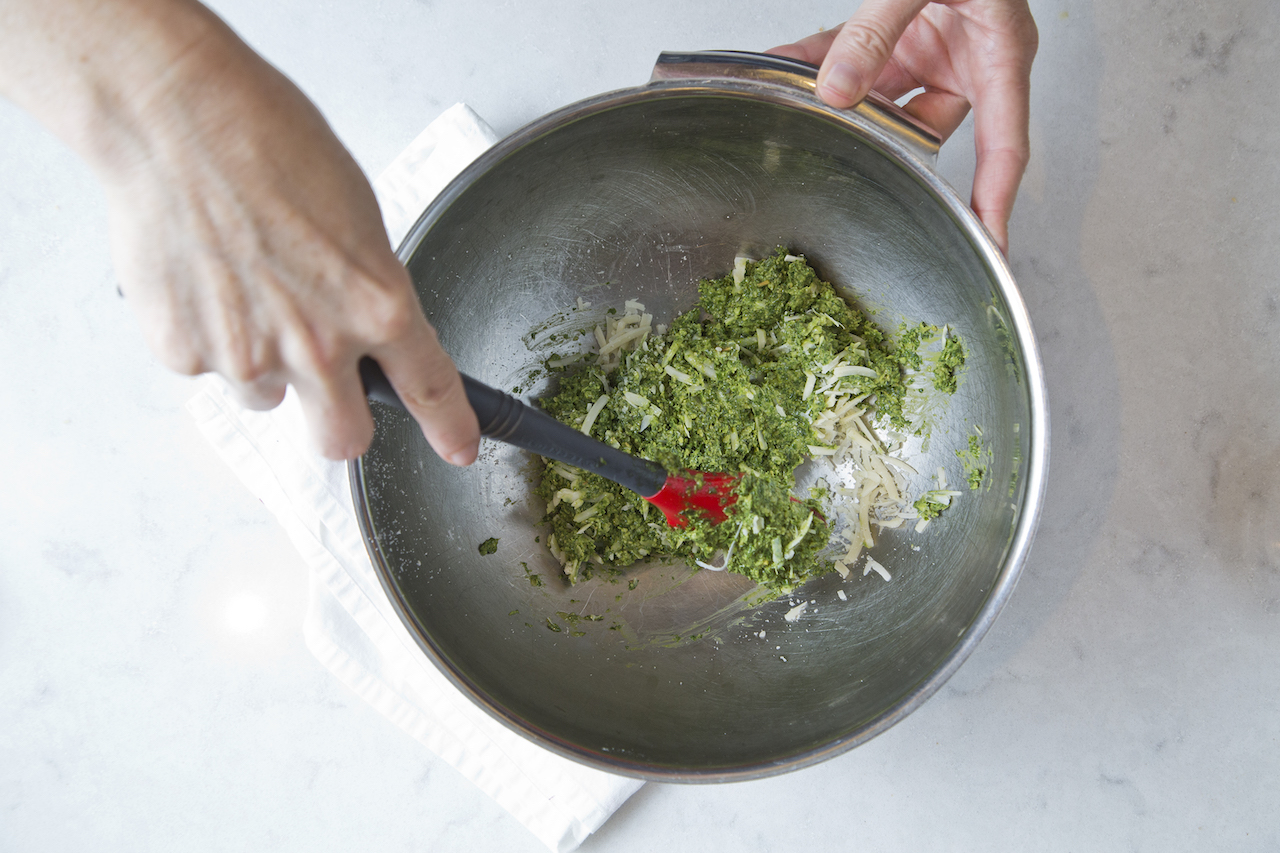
column 1127, row 699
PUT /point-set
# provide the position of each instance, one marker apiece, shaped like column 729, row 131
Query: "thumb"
column 862, row 48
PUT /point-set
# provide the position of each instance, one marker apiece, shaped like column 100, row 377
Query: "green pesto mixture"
column 974, row 459
column 730, row 387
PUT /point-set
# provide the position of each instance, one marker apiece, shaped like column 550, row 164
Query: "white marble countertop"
column 1127, row 698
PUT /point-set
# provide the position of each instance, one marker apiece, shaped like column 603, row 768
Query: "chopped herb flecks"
column 733, row 385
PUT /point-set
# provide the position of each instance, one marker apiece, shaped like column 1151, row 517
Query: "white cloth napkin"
column 351, row 627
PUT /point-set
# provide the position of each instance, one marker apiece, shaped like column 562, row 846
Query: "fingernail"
column 841, row 83
column 462, row 458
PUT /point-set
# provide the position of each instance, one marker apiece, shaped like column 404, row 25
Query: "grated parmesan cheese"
column 594, row 412
column 872, row 566
column 870, row 491
column 794, row 613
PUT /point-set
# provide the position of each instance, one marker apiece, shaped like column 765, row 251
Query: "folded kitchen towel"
column 351, row 626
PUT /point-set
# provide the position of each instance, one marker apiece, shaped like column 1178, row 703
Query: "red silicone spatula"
column 504, row 418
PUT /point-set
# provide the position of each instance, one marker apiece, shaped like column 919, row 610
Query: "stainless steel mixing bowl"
column 638, row 194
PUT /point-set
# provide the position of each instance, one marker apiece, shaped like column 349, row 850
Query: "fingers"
column 260, row 396
column 810, row 49
column 995, row 188
column 336, row 412
column 1001, row 109
column 1000, row 90
column 431, row 389
column 386, row 323
column 893, row 81
column 862, row 47
column 406, row 347
column 941, row 111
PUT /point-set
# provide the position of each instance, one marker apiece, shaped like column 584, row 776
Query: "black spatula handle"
column 504, row 418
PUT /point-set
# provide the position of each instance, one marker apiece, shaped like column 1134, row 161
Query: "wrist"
column 143, row 113
column 102, row 75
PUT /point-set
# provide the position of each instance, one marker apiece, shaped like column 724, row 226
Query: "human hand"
column 962, row 52
column 246, row 239
column 249, row 244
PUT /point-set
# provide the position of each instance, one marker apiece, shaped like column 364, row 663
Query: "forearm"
column 100, row 74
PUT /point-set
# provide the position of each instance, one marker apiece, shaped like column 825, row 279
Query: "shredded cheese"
column 872, row 566
column 594, row 412
column 794, row 613
column 871, row 490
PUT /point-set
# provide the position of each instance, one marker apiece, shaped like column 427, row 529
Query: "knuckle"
column 178, row 353
column 315, row 355
column 247, row 362
column 1030, row 33
column 390, row 315
column 860, row 39
column 1019, row 156
column 181, row 360
column 432, row 395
